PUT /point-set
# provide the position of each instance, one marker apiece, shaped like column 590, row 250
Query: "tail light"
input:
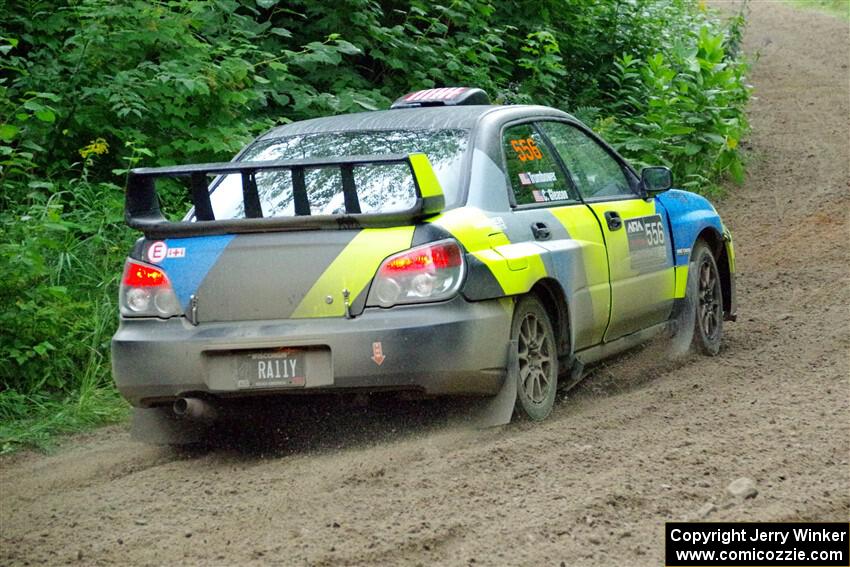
column 146, row 292
column 432, row 272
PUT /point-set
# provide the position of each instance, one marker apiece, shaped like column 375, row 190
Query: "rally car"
column 445, row 246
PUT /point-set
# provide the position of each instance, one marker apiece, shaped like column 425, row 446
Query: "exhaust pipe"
column 195, row 409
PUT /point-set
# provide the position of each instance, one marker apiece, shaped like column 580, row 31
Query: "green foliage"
column 683, row 107
column 90, row 88
column 60, row 282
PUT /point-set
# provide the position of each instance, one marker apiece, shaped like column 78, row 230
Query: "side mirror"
column 656, row 179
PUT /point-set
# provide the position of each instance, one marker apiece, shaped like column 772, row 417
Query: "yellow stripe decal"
column 353, row 269
column 681, row 281
column 517, row 267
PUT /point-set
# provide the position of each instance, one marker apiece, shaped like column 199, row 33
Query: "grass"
column 35, row 421
column 835, row 7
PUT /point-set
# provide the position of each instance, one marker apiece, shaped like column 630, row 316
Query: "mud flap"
column 159, row 426
column 684, row 320
column 499, row 409
column 576, row 376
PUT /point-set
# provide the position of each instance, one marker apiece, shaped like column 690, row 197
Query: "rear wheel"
column 537, row 379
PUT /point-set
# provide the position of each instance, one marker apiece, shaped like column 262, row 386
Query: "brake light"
column 435, row 257
column 138, row 275
column 147, row 292
column 432, row 272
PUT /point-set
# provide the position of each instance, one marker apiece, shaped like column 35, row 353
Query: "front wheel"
column 700, row 322
column 537, row 379
column 709, row 301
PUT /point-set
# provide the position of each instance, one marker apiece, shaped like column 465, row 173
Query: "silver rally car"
column 443, row 247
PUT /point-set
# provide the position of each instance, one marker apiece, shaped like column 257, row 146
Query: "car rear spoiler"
column 142, row 209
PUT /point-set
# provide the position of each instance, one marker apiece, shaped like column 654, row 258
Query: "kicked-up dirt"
column 641, row 442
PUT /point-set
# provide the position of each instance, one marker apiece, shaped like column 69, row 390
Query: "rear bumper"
column 455, row 347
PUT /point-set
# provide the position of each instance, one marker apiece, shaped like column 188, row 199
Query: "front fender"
column 690, row 216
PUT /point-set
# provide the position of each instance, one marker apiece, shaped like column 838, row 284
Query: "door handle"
column 614, row 220
column 540, row 231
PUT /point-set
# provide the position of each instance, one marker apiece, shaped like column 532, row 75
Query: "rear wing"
column 142, row 210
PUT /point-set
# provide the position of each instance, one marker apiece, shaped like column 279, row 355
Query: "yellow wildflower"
column 96, row 147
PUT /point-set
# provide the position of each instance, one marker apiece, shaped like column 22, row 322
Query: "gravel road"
column 638, row 443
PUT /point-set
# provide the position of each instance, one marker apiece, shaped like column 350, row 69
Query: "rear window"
column 381, row 188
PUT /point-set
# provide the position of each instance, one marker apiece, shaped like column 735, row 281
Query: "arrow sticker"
column 378, row 353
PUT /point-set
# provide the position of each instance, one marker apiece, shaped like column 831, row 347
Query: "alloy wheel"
column 535, row 359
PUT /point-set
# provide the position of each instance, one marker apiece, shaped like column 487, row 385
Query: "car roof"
column 425, row 118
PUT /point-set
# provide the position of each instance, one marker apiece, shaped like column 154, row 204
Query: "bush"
column 683, row 106
column 92, row 87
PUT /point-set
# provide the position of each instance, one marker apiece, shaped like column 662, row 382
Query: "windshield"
column 380, row 188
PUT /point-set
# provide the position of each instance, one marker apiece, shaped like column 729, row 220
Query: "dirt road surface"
column 639, row 443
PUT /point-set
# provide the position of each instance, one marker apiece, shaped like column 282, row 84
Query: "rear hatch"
column 278, row 239
column 275, row 275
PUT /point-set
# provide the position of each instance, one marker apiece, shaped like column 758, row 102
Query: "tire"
column 537, row 379
column 700, row 322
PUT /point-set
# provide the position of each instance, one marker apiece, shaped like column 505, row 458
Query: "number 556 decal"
column 647, row 241
column 526, row 150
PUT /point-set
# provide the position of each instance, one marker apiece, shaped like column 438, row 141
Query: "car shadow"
column 290, row 425
column 279, row 426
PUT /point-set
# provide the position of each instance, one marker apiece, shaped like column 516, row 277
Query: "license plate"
column 272, row 369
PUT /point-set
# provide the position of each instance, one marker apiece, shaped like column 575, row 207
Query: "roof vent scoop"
column 446, row 96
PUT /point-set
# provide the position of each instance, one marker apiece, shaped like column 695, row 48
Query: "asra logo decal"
column 159, row 251
column 647, row 243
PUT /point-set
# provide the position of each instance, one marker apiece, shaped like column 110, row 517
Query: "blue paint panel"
column 689, row 215
column 665, row 217
column 187, row 272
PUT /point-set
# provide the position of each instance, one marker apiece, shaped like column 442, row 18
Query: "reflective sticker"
column 538, row 196
column 378, row 353
column 157, row 252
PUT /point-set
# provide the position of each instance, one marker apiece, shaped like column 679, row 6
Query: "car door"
column 548, row 212
column 637, row 239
